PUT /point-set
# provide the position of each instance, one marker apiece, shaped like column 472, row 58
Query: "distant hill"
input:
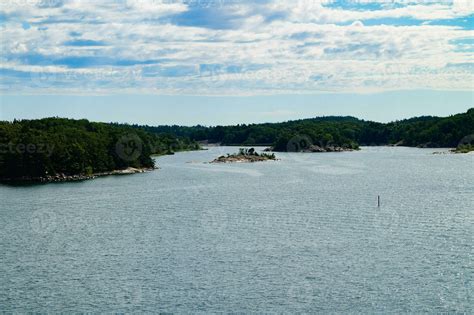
column 344, row 131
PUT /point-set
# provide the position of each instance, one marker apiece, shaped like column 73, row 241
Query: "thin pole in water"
column 378, row 199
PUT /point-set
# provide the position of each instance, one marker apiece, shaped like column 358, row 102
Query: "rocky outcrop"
column 241, row 159
column 58, row 178
column 245, row 156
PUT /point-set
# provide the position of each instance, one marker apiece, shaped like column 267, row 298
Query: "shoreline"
column 233, row 159
column 62, row 178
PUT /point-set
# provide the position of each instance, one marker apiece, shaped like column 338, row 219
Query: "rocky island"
column 246, row 156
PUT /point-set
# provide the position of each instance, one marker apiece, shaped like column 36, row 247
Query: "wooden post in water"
column 378, row 200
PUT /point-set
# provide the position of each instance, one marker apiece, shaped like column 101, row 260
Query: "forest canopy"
column 349, row 132
column 51, row 146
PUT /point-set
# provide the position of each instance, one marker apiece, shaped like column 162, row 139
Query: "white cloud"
column 317, row 12
column 277, row 47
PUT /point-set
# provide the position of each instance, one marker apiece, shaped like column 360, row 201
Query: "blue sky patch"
column 466, row 22
column 25, row 25
column 464, row 44
column 80, row 61
column 84, row 43
column 170, row 71
column 355, row 5
column 405, row 21
column 207, row 17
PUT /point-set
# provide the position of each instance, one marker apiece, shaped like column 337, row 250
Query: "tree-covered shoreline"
column 345, row 132
column 66, row 148
column 58, row 148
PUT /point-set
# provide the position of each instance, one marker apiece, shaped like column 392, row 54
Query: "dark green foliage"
column 36, row 148
column 51, row 146
column 464, row 149
column 253, row 152
column 345, row 132
column 432, row 131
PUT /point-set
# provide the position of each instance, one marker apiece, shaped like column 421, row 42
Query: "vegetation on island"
column 56, row 147
column 464, row 149
column 340, row 133
column 245, row 155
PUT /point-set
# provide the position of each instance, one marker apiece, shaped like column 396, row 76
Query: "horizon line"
column 239, row 124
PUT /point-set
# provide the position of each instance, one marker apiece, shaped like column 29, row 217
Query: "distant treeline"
column 349, row 132
column 51, row 146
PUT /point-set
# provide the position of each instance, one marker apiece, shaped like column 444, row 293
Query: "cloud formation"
column 234, row 47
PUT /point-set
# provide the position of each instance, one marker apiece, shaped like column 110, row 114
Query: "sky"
column 227, row 110
column 235, row 61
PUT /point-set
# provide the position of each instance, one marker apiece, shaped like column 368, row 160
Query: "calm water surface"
column 301, row 235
